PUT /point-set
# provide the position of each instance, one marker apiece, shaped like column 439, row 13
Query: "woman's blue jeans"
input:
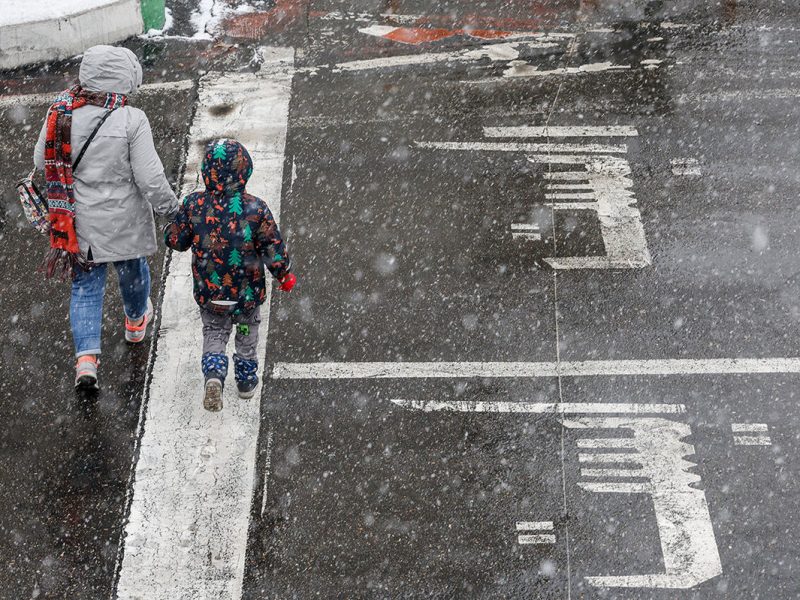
column 86, row 304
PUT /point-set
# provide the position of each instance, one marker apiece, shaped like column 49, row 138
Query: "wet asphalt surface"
column 405, row 254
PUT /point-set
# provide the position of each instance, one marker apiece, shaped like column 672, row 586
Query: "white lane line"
column 520, row 69
column 525, row 231
column 752, row 440
column 570, row 195
column 537, row 538
column 48, row 97
column 751, row 434
column 614, row 473
column 524, row 227
column 739, row 96
column 749, row 427
column 385, row 31
column 337, row 15
column 606, row 443
column 568, row 175
column 267, row 472
column 607, row 457
column 651, row 63
column 187, row 531
column 560, row 408
column 534, row 526
column 575, row 206
column 685, row 166
column 406, row 370
column 502, row 52
column 561, row 132
column 525, row 147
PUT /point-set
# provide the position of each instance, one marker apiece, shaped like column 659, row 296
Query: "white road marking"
column 749, row 427
column 384, row 31
column 606, row 457
column 521, row 69
column 534, row 525
column 605, row 443
column 748, row 95
column 588, row 368
column 612, row 198
column 628, row 472
column 409, row 19
column 526, row 131
column 187, row 531
column 752, row 440
column 572, row 196
column 537, row 538
column 378, row 30
column 267, row 472
column 687, row 537
column 524, row 227
column 48, row 97
column 525, row 147
column 685, row 166
column 564, row 408
column 607, row 178
column 751, row 434
column 671, row 25
column 337, row 15
column 651, row 63
column 502, row 52
column 526, row 231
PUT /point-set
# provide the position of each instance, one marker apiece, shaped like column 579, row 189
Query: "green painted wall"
column 153, row 14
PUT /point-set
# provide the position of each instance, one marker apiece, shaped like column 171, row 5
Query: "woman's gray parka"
column 120, row 180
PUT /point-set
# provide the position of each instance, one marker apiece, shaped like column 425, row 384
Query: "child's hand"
column 287, row 282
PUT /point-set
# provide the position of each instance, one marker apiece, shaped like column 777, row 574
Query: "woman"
column 103, row 212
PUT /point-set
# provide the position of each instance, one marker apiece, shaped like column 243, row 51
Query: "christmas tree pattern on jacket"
column 232, row 234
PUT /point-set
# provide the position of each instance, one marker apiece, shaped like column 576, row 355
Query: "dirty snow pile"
column 29, row 11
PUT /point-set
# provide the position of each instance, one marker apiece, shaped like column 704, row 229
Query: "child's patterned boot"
column 215, row 369
column 246, row 378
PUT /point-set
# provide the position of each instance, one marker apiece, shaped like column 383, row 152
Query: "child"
column 232, row 235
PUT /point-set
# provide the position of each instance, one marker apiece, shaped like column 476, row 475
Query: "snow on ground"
column 164, row 31
column 211, row 13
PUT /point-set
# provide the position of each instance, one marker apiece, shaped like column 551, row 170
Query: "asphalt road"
column 591, row 435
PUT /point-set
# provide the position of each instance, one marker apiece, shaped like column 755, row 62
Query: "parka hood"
column 227, row 166
column 110, row 69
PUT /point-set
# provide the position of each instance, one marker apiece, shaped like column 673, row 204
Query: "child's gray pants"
column 217, row 330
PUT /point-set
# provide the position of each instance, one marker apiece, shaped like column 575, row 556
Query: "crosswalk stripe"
column 186, row 535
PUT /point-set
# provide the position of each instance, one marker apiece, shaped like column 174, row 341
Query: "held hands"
column 287, row 282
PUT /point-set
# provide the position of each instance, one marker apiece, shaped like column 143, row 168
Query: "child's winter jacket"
column 231, row 233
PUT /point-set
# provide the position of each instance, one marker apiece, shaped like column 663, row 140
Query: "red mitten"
column 287, row 282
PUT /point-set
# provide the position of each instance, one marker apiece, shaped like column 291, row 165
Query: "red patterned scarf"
column 64, row 252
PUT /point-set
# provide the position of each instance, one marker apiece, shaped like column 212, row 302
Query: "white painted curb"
column 64, row 36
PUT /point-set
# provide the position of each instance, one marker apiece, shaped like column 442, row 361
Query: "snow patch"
column 16, row 12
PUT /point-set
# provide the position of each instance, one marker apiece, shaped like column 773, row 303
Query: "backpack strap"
column 89, row 140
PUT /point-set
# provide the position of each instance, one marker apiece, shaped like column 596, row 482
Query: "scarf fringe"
column 60, row 263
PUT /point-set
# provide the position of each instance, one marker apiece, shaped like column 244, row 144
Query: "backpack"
column 33, row 204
